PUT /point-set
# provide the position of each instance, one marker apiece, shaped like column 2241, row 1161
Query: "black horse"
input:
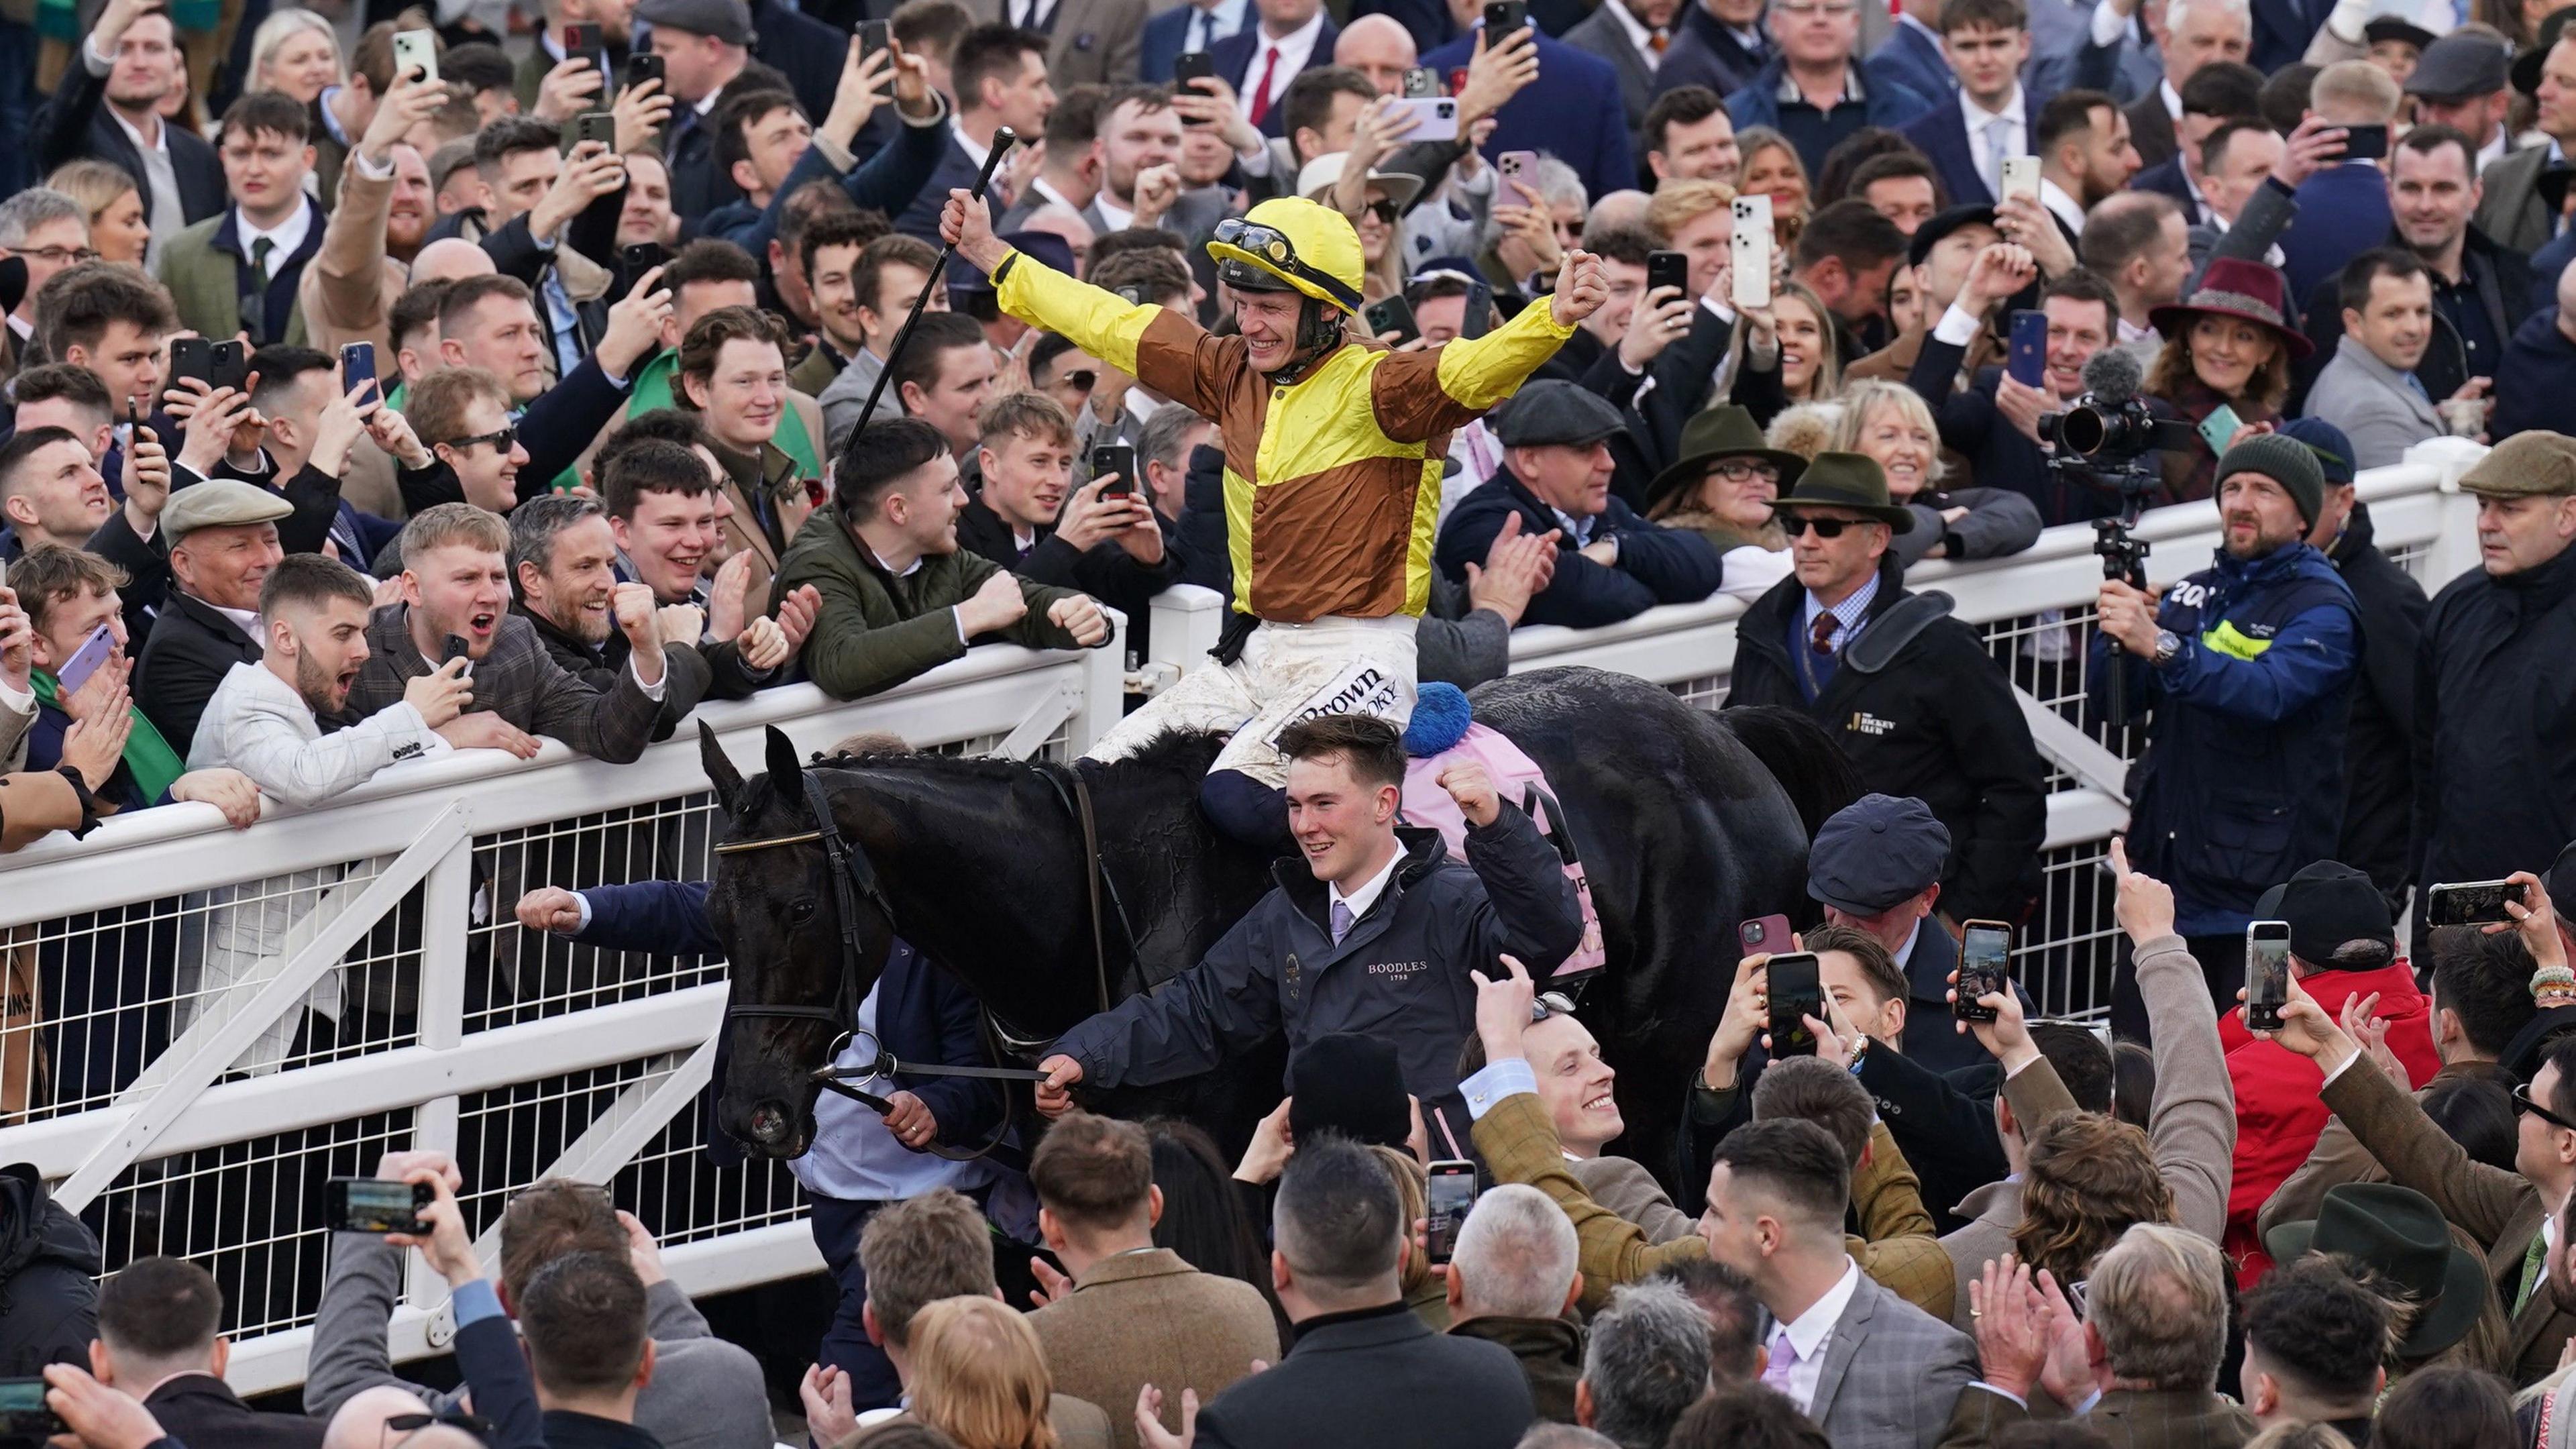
column 1689, row 822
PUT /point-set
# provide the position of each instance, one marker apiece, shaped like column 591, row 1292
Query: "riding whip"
column 1003, row 139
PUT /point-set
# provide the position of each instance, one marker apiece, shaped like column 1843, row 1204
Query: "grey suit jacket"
column 1892, row 1374
column 1095, row 41
column 1603, row 35
column 2371, row 402
column 2512, row 215
column 1992, row 1212
column 706, row 1393
column 521, row 684
column 1193, row 217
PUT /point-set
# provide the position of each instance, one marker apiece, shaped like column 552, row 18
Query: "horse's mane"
column 1185, row 754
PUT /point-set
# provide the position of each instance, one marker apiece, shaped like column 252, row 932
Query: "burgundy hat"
column 2246, row 290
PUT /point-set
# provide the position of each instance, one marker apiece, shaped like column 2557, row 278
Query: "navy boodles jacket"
column 2242, row 780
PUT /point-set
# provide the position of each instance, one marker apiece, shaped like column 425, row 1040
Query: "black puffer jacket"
column 2378, row 767
column 49, row 1268
column 2495, row 785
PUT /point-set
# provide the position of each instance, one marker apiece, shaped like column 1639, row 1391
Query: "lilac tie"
column 1341, row 920
column 1784, row 1358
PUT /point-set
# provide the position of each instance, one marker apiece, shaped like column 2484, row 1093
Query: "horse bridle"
column 854, row 878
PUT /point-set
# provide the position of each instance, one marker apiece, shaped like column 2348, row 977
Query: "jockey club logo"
column 1865, row 723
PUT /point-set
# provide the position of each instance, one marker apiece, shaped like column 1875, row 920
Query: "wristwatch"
column 2168, row 645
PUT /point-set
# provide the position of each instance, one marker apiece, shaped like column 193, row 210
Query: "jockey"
column 1333, row 451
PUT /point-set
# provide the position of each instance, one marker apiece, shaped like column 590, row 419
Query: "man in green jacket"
column 899, row 596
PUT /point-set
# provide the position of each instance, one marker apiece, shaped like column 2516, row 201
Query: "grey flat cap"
column 2458, row 66
column 726, row 20
column 1875, row 852
column 1542, row 413
column 219, row 503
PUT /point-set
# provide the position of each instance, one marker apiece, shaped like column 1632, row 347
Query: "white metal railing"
column 527, row 1056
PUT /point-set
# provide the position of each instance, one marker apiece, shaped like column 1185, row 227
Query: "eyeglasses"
column 1798, row 523
column 1550, row 1003
column 2522, row 1103
column 59, row 256
column 502, row 441
column 1738, row 470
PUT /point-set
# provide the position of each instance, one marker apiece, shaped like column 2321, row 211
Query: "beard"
column 320, row 687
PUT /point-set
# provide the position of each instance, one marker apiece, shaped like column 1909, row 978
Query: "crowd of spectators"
column 360, row 411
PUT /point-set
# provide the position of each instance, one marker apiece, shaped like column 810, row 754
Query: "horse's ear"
column 720, row 770
column 783, row 764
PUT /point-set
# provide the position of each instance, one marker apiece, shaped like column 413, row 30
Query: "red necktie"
column 1261, row 92
column 1822, row 634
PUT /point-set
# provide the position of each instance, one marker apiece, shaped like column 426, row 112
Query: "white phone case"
column 416, row 50
column 1751, row 286
column 2021, row 177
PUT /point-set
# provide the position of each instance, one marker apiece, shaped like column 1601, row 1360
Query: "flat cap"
column 726, row 20
column 2525, row 465
column 1556, row 412
column 1875, row 852
column 220, row 503
column 2458, row 66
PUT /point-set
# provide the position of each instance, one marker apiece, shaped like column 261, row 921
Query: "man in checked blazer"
column 1132, row 1314
column 456, row 587
column 1874, row 1371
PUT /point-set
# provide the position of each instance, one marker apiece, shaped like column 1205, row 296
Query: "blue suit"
column 1941, row 134
column 2282, row 30
column 956, row 169
column 1572, row 112
column 898, row 174
column 1167, row 39
column 1913, row 60
column 1706, row 53
column 1232, row 57
column 2343, row 212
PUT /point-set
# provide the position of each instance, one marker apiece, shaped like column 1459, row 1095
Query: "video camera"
column 2109, row 439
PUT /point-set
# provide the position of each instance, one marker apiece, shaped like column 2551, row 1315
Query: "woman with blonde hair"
column 295, row 52
column 978, row 1375
column 1784, row 354
column 119, row 229
column 1383, row 195
column 1890, row 424
column 1771, row 168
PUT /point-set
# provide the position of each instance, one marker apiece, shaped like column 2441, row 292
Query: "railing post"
column 1104, row 687
column 1188, row 620
column 446, row 905
column 2454, row 550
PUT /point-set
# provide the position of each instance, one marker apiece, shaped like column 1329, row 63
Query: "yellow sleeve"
column 1417, row 396
column 1173, row 362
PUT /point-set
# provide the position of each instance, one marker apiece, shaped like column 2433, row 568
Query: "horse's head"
column 799, row 964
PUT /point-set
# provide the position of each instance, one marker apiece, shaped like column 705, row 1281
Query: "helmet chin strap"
column 1319, row 335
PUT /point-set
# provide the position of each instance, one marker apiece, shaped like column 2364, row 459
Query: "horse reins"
column 854, row 878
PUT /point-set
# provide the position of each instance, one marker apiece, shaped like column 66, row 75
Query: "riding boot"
column 1247, row 810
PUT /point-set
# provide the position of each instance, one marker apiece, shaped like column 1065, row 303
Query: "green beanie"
column 2284, row 460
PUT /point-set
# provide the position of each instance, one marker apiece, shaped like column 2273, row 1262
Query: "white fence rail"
column 187, row 1117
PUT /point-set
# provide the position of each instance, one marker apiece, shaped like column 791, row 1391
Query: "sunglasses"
column 2522, row 1102
column 1798, row 523
column 1384, row 211
column 1550, row 1003
column 501, row 441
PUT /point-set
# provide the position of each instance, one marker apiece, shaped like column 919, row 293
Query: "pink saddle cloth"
column 1519, row 779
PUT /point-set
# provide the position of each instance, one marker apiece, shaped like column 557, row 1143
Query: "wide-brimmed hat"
column 1324, row 172
column 1714, row 434
column 2401, row 1235
column 2527, row 64
column 1850, row 481
column 2234, row 287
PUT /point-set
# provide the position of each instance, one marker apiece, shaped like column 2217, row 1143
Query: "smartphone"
column 1420, row 81
column 357, row 365
column 641, row 258
column 228, row 365
column 1392, row 315
column 1196, row 65
column 1750, row 249
column 1452, row 1196
column 1764, row 933
column 1985, row 967
column 1517, row 165
column 416, row 54
column 1478, row 317
column 1116, row 458
column 2471, row 903
column 2218, row 427
column 1435, row 118
column 24, row 1419
column 875, row 35
column 85, row 660
column 598, row 126
column 642, row 66
column 2021, row 178
column 2027, row 360
column 1796, row 994
column 1502, row 17
column 585, row 42
column 454, row 649
column 1668, row 269
column 2267, row 974
column 192, row 357
column 375, row 1205
column 2365, row 143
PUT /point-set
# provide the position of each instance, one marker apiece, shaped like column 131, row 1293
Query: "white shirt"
column 1640, row 39
column 967, row 144
column 1032, row 14
column 2062, row 206
column 1209, row 24
column 855, row 1158
column 1365, row 896
column 1812, row 1331
column 2496, row 149
column 1295, row 49
column 2012, row 121
column 1111, row 212
column 167, row 218
column 284, row 237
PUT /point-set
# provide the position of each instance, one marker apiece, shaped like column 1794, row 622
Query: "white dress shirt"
column 2064, row 207
column 1365, row 895
column 1111, row 212
column 1640, row 38
column 1295, row 49
column 966, row 143
column 1811, row 1333
column 1209, row 24
column 1993, row 135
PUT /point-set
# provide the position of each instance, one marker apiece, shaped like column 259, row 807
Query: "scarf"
column 148, row 757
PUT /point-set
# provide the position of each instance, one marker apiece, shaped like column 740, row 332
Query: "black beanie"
column 1350, row 1084
column 2284, row 460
